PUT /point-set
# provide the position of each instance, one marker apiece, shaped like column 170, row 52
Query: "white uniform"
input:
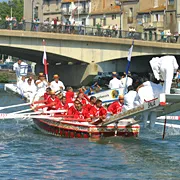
column 115, row 83
column 129, row 81
column 156, row 88
column 146, row 94
column 164, row 68
column 131, row 99
column 21, row 70
column 29, row 91
column 55, row 86
column 20, row 85
column 41, row 89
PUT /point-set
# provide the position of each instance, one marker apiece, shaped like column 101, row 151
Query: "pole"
column 128, row 65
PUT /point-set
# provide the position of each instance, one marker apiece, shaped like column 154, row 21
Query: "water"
column 26, row 153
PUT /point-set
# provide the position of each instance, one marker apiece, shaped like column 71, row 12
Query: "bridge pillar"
column 72, row 75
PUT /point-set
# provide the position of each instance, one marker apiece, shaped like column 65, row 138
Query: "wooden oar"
column 19, row 105
column 13, row 106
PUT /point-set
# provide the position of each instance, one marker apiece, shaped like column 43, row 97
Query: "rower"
column 115, row 82
column 63, row 104
column 47, row 93
column 164, row 68
column 41, row 85
column 69, row 96
column 82, row 98
column 77, row 111
column 91, row 103
column 116, row 107
column 53, row 102
column 57, row 85
column 29, row 90
column 98, row 112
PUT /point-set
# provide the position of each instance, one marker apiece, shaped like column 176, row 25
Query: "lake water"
column 26, row 153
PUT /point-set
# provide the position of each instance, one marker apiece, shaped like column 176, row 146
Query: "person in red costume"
column 63, row 105
column 69, row 95
column 91, row 103
column 53, row 102
column 47, row 93
column 78, row 112
column 82, row 98
column 116, row 107
column 98, row 112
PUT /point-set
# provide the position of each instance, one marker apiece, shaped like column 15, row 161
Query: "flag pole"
column 45, row 60
column 128, row 65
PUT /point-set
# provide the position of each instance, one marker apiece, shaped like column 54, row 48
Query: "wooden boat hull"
column 84, row 130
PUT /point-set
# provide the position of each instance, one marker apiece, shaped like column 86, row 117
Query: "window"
column 113, row 16
column 145, row 18
column 94, row 21
column 36, row 12
column 156, row 17
column 171, row 18
column 104, row 22
column 171, row 2
column 130, row 12
column 57, row 2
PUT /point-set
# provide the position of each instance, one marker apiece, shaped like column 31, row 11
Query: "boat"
column 75, row 129
column 109, row 96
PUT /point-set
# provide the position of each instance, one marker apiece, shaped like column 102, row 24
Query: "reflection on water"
column 26, row 153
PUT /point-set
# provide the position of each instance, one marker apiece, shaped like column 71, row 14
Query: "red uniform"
column 115, row 107
column 54, row 103
column 82, row 101
column 63, row 106
column 88, row 106
column 69, row 96
column 46, row 96
column 97, row 112
column 83, row 114
column 71, row 110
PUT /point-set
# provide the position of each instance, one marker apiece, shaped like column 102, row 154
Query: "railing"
column 88, row 30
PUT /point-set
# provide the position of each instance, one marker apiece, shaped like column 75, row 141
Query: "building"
column 42, row 9
column 107, row 13
column 77, row 10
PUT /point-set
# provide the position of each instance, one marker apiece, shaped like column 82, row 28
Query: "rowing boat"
column 75, row 129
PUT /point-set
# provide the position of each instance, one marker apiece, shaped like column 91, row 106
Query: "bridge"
column 87, row 54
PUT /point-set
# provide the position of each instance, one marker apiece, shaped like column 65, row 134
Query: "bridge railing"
column 88, row 30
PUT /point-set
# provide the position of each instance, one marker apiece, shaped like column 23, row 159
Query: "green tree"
column 17, row 9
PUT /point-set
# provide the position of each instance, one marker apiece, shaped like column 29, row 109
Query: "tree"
column 17, row 9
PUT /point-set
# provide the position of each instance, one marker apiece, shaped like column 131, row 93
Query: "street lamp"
column 10, row 3
column 118, row 3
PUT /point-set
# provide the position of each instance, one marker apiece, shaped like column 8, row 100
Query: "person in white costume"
column 29, row 90
column 163, row 69
column 115, row 82
column 131, row 99
column 21, row 69
column 129, row 80
column 41, row 85
column 20, row 85
column 57, row 85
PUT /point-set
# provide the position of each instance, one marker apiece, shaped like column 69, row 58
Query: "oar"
column 13, row 106
column 19, row 105
column 25, row 110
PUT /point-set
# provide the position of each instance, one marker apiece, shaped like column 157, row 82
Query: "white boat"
column 109, row 96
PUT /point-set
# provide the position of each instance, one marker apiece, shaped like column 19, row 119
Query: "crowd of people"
column 81, row 106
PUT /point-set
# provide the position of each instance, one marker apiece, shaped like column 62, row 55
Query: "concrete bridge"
column 88, row 54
